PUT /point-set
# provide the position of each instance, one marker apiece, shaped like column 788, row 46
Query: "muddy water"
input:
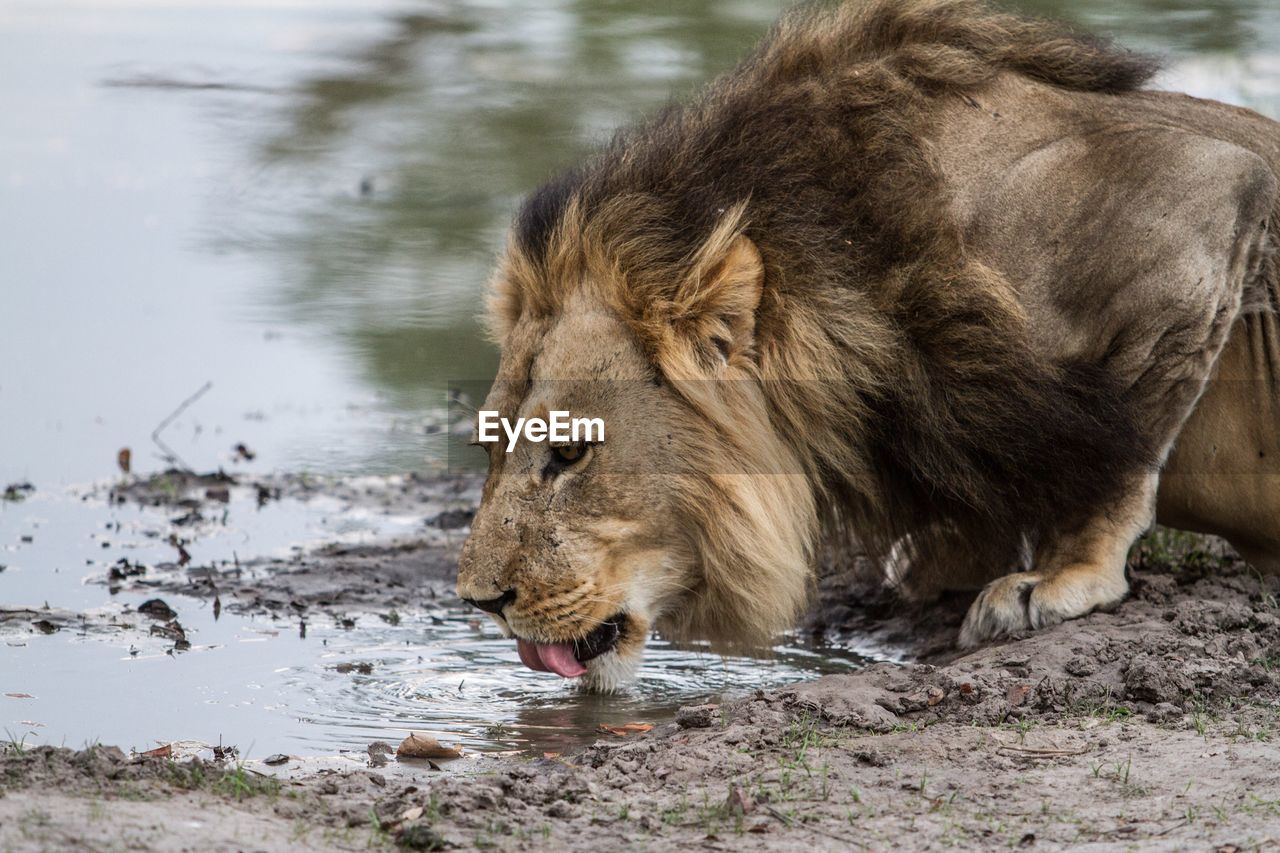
column 315, row 683
column 298, row 202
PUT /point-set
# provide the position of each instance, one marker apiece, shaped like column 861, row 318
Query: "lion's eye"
column 569, row 454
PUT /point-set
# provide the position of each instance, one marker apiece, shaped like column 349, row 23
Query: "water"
column 258, row 683
column 300, row 201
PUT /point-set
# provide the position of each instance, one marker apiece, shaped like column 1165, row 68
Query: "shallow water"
column 260, row 683
column 300, row 201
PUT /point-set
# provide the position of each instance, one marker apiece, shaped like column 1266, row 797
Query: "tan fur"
column 917, row 273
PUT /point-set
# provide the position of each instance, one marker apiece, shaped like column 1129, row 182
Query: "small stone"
column 420, row 836
column 697, row 716
column 1081, row 666
column 1164, row 712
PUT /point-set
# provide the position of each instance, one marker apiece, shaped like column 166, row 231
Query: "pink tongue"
column 529, row 655
column 550, row 657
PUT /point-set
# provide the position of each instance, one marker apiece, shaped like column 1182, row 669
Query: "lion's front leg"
column 1074, row 574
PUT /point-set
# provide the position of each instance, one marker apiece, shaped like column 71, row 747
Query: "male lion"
column 944, row 280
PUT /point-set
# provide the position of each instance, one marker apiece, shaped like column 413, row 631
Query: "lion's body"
column 1223, row 475
column 945, row 280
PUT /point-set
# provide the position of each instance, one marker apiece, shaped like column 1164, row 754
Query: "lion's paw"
column 1032, row 600
column 1003, row 607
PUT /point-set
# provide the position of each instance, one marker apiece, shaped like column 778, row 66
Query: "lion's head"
column 689, row 517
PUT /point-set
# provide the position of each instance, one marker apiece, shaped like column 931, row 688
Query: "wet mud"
column 1151, row 726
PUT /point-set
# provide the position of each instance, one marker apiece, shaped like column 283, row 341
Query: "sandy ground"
column 1150, row 727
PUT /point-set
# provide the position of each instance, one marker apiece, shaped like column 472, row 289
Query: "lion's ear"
column 719, row 300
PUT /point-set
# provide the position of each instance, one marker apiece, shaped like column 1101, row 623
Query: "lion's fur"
column 895, row 369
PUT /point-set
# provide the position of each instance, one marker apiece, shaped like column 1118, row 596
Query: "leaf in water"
column 423, row 746
column 626, row 728
column 19, row 695
column 124, row 459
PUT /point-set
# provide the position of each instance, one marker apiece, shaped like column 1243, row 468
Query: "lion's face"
column 690, row 517
column 579, row 543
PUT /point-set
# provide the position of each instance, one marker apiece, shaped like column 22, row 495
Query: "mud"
column 333, row 580
column 1151, row 726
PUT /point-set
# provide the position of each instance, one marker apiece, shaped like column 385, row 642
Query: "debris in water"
column 124, row 459
column 123, row 569
column 19, row 695
column 183, row 556
column 275, row 760
column 157, row 609
column 171, row 630
column 15, row 492
column 378, row 752
column 243, row 452
column 364, row 668
column 423, row 746
column 165, row 751
column 44, row 626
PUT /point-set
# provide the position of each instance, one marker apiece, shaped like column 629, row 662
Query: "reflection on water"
column 455, row 114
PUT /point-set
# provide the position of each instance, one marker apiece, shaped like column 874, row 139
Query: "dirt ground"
column 1154, row 726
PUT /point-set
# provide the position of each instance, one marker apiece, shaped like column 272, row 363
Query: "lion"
column 917, row 277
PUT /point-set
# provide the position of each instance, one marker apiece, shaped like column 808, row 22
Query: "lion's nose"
column 494, row 605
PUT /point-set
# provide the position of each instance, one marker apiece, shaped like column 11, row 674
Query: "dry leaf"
column 165, row 751
column 422, row 746
column 738, row 803
column 412, row 813
column 124, row 459
column 550, row 755
column 19, row 695
column 1017, row 693
column 626, row 728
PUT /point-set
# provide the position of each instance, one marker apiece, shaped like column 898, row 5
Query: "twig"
column 790, row 824
column 1044, row 752
column 170, row 456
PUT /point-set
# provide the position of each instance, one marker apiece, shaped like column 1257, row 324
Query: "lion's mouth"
column 568, row 660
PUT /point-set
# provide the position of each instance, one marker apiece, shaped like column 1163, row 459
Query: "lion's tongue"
column 550, row 657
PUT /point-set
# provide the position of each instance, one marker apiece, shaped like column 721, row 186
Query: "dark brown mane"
column 917, row 399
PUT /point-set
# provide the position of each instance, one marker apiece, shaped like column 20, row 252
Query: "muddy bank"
column 1150, row 726
column 336, row 580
